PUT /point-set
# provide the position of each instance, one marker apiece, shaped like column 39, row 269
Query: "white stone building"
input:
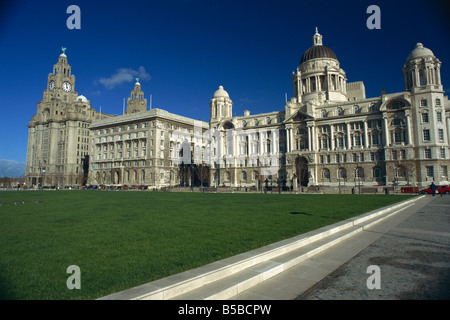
column 329, row 135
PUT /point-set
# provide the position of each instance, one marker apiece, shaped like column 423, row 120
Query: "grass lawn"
column 124, row 239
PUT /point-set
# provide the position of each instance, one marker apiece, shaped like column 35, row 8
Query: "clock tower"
column 58, row 135
column 61, row 82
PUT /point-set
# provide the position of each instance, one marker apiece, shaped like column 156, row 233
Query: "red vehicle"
column 439, row 189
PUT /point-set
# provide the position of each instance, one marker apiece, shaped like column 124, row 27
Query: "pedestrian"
column 433, row 188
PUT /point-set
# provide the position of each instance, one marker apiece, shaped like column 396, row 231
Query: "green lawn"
column 124, row 239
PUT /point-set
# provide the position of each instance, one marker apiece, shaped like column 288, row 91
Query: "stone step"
column 229, row 276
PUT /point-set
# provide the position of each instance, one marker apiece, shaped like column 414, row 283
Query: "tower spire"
column 317, row 38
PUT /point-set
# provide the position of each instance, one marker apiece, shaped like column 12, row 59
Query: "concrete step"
column 228, row 277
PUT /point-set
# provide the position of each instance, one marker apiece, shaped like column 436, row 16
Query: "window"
column 443, row 153
column 441, row 134
column 424, row 117
column 326, row 173
column 427, row 153
column 324, row 142
column 426, row 135
column 357, row 140
column 398, row 136
column 438, row 102
column 376, row 172
column 439, row 116
column 423, row 103
column 375, row 139
column 430, row 171
column 359, row 173
column 403, row 154
column 444, row 171
column 342, row 173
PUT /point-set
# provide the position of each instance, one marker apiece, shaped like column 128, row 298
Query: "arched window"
column 377, row 172
column 356, row 109
column 340, row 111
column 326, row 173
column 324, row 113
column 359, row 172
column 342, row 173
column 243, row 175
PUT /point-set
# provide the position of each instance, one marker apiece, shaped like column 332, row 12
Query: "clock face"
column 51, row 86
column 66, row 86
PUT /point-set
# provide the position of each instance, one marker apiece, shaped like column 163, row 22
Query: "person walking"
column 433, row 188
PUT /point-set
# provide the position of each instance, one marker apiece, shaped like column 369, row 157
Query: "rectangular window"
column 427, row 153
column 426, row 135
column 424, row 117
column 375, row 139
column 443, row 153
column 444, row 171
column 394, row 154
column 403, row 154
column 430, row 171
column 357, row 140
column 441, row 134
column 423, row 103
column 439, row 116
column 398, row 136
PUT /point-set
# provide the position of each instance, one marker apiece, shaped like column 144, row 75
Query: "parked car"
column 439, row 189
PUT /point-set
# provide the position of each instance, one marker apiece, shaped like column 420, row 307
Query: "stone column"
column 408, row 127
column 386, row 132
column 366, row 135
column 309, row 138
column 331, row 137
column 349, row 142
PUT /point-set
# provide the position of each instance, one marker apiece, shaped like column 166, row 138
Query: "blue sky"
column 183, row 50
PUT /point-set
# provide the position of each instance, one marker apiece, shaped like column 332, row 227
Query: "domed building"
column 330, row 136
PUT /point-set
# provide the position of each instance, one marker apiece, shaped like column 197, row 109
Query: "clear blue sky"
column 184, row 49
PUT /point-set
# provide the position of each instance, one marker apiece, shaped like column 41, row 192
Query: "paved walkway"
column 411, row 249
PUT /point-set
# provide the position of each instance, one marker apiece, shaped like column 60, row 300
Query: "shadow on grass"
column 5, row 294
column 302, row 213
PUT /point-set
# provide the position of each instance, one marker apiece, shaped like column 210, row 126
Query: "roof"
column 318, row 51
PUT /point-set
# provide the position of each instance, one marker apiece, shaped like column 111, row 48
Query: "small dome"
column 420, row 52
column 62, row 55
column 318, row 51
column 82, row 98
column 221, row 93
